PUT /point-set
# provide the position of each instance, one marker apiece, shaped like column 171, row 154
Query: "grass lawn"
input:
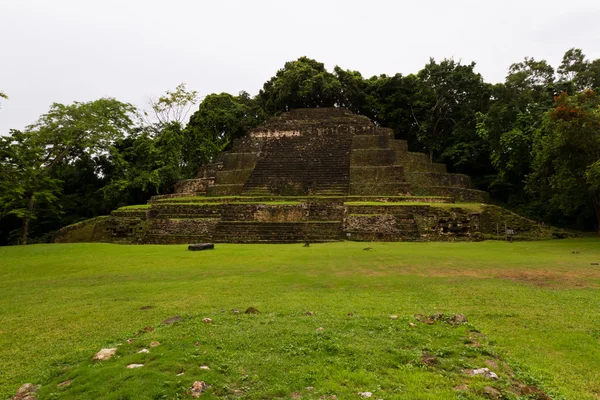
column 533, row 310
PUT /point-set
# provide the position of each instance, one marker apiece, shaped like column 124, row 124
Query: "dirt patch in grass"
column 554, row 279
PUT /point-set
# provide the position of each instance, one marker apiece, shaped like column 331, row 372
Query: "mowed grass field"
column 533, row 312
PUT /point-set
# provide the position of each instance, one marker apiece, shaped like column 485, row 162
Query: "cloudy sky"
column 75, row 50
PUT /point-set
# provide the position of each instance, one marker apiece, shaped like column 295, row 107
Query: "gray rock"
column 104, row 354
column 485, row 372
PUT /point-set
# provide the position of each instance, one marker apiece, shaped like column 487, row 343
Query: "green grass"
column 474, row 207
column 535, row 305
column 134, row 207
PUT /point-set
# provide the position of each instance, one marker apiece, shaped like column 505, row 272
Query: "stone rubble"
column 26, row 392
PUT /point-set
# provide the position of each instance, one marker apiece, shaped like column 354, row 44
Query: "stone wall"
column 305, row 221
column 91, row 230
column 192, row 186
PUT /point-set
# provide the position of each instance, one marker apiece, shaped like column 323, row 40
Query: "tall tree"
column 450, row 94
column 566, row 167
column 220, row 119
column 509, row 126
column 300, row 84
column 174, row 106
column 63, row 135
column 144, row 164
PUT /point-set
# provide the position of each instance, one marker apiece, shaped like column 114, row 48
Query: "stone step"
column 423, row 179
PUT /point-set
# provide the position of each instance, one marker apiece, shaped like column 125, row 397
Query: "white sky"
column 68, row 50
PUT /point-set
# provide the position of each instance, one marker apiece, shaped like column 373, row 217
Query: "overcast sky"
column 81, row 50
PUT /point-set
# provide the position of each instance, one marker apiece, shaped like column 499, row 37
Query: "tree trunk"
column 24, row 233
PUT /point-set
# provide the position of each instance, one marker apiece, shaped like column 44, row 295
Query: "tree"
column 510, row 125
column 576, row 70
column 174, row 106
column 566, row 166
column 449, row 96
column 220, row 119
column 300, row 84
column 30, row 159
column 144, row 164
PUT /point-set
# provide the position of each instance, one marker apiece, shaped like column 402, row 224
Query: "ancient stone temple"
column 326, row 151
column 313, row 175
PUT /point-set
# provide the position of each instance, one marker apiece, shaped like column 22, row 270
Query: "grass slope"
column 536, row 303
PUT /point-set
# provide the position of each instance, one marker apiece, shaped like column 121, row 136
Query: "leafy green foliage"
column 30, row 160
column 220, row 119
column 567, row 154
column 300, row 84
column 174, row 106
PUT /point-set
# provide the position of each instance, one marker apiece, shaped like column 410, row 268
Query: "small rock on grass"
column 252, row 310
column 320, row 329
column 26, row 391
column 207, row 321
column 104, row 354
column 365, row 395
column 131, row 366
column 393, row 316
column 154, row 344
column 64, row 384
column 198, row 388
column 144, row 351
column 309, row 314
column 485, row 372
column 205, row 367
